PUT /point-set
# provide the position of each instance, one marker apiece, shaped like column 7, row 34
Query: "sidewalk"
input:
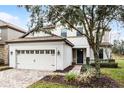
column 76, row 69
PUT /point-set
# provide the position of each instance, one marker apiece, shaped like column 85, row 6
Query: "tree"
column 94, row 19
column 118, row 47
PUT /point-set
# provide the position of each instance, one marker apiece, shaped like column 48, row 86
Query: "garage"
column 36, row 59
column 47, row 53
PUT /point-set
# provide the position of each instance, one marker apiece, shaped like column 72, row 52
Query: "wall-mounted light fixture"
column 58, row 52
column 11, row 52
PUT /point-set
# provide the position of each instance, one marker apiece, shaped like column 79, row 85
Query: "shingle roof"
column 12, row 26
column 52, row 38
column 106, row 44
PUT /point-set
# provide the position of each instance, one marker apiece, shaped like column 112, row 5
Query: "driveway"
column 15, row 78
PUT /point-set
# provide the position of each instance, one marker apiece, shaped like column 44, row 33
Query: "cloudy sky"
column 19, row 17
column 14, row 15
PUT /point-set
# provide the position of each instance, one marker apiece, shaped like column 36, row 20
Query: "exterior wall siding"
column 12, row 34
column 1, row 53
column 67, row 56
column 7, row 34
column 4, row 37
column 81, row 41
column 6, row 56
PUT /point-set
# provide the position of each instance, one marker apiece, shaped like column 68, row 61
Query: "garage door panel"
column 37, row 60
column 46, row 61
column 24, row 61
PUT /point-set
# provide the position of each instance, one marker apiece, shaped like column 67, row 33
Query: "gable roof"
column 52, row 38
column 9, row 25
column 48, row 27
column 40, row 39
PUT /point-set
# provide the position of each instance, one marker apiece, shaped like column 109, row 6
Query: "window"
column 37, row 51
column 41, row 51
column 52, row 51
column 27, row 51
column 101, row 53
column 32, row 51
column 22, row 51
column 64, row 32
column 81, row 30
column 47, row 51
column 18, row 51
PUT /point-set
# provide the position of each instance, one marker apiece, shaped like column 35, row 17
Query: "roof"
column 2, row 43
column 52, row 38
column 9, row 25
column 48, row 27
column 106, row 44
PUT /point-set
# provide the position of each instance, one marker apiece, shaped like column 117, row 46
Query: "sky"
column 20, row 17
column 15, row 15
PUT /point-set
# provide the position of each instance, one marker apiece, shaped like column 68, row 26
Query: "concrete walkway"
column 76, row 69
column 15, row 78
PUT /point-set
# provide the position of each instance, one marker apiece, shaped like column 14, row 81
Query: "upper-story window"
column 64, row 32
column 0, row 34
column 81, row 30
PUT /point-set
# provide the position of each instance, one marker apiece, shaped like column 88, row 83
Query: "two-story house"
column 53, row 51
column 7, row 32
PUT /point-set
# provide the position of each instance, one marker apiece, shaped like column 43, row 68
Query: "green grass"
column 116, row 73
column 44, row 84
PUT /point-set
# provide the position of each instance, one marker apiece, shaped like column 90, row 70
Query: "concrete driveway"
column 15, row 78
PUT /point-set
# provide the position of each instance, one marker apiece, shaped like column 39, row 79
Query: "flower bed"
column 93, row 82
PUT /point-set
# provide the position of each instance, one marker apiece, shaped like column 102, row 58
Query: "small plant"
column 71, row 76
column 85, row 76
column 85, row 67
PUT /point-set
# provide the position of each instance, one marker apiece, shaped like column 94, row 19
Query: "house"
column 7, row 32
column 53, row 51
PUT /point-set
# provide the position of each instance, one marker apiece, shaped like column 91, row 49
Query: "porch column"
column 88, row 52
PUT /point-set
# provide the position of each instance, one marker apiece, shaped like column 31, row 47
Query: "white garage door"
column 36, row 59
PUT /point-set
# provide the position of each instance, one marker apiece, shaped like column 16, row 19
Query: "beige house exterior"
column 7, row 32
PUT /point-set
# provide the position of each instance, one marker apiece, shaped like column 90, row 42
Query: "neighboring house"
column 54, row 51
column 7, row 32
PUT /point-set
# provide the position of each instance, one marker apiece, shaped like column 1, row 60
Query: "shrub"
column 85, row 76
column 109, row 65
column 71, row 76
column 112, row 60
column 85, row 67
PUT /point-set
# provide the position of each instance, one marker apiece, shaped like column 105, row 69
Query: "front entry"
column 80, row 56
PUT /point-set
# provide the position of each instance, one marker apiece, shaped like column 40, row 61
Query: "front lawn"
column 116, row 73
column 72, row 80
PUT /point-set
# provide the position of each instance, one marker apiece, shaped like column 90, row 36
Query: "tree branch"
column 69, row 23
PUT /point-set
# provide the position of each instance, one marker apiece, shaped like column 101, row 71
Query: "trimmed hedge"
column 112, row 60
column 108, row 65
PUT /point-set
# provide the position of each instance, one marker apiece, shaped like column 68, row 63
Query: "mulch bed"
column 66, row 69
column 103, row 82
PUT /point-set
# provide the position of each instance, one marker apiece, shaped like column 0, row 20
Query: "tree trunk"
column 97, row 65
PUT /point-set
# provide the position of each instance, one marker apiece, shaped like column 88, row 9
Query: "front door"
column 79, row 56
